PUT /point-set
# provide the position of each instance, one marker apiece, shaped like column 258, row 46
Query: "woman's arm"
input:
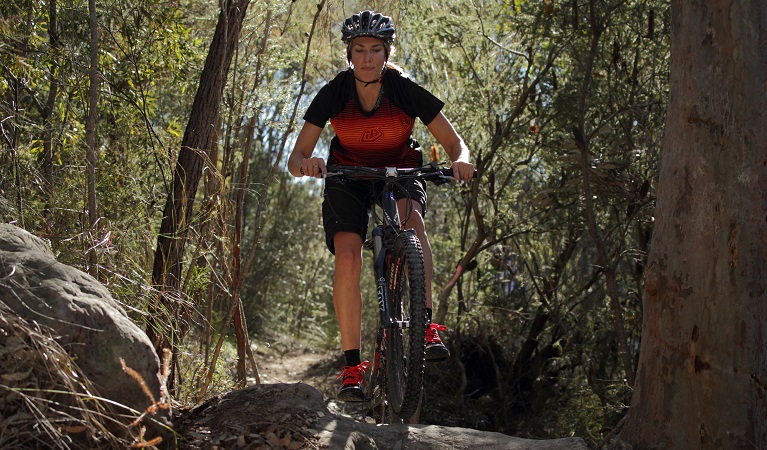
column 301, row 162
column 456, row 149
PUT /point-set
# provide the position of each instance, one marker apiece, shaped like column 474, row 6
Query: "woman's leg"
column 347, row 299
column 347, row 302
column 413, row 211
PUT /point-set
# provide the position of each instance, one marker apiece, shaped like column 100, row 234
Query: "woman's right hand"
column 313, row 167
column 301, row 162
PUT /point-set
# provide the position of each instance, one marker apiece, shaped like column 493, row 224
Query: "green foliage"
column 195, row 365
column 517, row 79
column 514, row 79
column 290, row 287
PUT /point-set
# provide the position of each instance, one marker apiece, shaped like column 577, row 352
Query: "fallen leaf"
column 272, row 439
column 285, row 441
column 18, row 376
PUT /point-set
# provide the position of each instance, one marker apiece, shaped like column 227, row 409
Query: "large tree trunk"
column 165, row 325
column 702, row 377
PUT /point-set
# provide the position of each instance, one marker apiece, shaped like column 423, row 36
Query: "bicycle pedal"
column 368, row 244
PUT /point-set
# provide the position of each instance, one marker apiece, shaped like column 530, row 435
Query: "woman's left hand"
column 462, row 170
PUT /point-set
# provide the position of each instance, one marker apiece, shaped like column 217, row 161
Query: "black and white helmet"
column 368, row 23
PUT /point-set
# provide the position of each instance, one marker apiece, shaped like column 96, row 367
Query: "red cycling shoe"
column 352, row 381
column 435, row 349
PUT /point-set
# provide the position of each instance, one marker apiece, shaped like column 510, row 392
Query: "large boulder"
column 93, row 328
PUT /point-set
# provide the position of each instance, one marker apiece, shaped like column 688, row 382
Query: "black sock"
column 428, row 316
column 352, row 357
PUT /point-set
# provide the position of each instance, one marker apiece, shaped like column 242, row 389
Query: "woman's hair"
column 390, row 65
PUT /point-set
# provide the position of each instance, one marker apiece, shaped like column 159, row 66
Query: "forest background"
column 539, row 262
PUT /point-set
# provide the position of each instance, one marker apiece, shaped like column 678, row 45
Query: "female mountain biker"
column 372, row 107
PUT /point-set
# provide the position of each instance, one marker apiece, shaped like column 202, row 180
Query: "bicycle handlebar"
column 431, row 172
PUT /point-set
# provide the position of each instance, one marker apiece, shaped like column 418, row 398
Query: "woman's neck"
column 367, row 83
column 368, row 94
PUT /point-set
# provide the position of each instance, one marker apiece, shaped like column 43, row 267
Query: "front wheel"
column 405, row 345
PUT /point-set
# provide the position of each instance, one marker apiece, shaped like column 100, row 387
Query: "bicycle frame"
column 382, row 236
column 397, row 262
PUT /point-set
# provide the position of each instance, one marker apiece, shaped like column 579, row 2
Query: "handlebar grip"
column 448, row 172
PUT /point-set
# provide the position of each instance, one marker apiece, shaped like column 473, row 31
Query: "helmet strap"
column 367, row 83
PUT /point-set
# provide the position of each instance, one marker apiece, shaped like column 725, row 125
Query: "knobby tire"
column 405, row 347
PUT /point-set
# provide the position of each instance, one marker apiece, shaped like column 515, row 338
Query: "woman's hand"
column 462, row 170
column 301, row 163
column 313, row 167
column 456, row 149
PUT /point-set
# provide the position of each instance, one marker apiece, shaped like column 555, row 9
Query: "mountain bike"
column 395, row 385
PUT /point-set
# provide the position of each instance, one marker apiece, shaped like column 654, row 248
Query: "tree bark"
column 200, row 135
column 702, row 376
column 91, row 138
column 46, row 112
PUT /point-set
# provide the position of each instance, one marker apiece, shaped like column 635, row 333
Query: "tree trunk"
column 90, row 139
column 46, row 112
column 237, row 275
column 702, row 376
column 200, row 135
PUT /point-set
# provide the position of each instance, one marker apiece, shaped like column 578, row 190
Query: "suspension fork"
column 385, row 233
column 379, row 269
column 379, row 264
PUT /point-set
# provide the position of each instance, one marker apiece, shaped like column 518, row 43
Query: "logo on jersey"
column 371, row 135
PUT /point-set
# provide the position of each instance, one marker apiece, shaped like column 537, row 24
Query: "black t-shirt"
column 378, row 138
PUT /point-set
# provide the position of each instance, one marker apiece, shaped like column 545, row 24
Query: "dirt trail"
column 316, row 368
column 293, row 416
column 294, row 408
column 293, row 366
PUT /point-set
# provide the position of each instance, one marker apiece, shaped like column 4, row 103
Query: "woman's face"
column 368, row 56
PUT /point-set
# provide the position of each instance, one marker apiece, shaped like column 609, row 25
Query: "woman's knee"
column 348, row 250
column 412, row 213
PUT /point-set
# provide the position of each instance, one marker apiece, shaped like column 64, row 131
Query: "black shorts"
column 347, row 204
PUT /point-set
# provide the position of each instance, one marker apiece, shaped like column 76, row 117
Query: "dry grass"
column 47, row 403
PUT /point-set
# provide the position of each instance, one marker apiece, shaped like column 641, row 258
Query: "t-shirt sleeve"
column 318, row 112
column 414, row 99
column 330, row 99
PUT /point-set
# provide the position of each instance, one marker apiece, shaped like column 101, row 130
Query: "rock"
column 299, row 410
column 88, row 322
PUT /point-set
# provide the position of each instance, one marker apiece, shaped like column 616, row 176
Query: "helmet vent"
column 368, row 23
